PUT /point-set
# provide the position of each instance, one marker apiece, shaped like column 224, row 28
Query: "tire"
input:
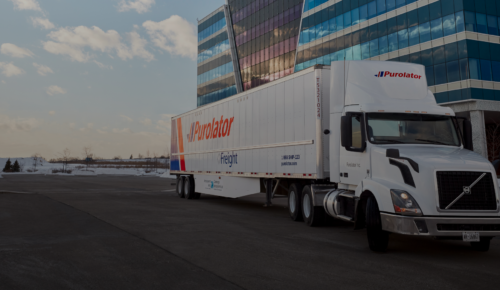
column 313, row 216
column 482, row 246
column 294, row 202
column 189, row 187
column 180, row 186
column 378, row 239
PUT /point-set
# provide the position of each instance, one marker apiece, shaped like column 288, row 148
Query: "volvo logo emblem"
column 467, row 190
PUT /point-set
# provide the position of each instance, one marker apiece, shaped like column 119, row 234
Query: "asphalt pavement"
column 124, row 232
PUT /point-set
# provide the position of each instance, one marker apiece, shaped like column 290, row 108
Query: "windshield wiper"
column 388, row 140
column 432, row 141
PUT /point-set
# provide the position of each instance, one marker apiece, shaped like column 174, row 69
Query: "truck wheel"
column 377, row 238
column 180, row 186
column 189, row 187
column 294, row 202
column 482, row 246
column 313, row 215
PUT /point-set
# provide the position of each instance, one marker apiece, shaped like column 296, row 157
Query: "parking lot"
column 124, row 232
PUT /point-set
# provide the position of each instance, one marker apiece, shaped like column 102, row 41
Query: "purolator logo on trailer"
column 216, row 129
column 383, row 74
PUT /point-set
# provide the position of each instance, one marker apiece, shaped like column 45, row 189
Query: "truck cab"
column 404, row 164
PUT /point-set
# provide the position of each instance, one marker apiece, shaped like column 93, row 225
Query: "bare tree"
column 21, row 165
column 37, row 160
column 117, row 157
column 140, row 156
column 65, row 158
column 87, row 154
column 147, row 154
column 493, row 140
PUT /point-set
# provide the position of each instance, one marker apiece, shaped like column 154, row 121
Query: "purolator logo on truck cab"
column 216, row 129
column 383, row 74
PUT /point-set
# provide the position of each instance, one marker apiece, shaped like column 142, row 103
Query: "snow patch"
column 167, row 175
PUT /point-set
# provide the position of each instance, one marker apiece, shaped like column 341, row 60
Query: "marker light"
column 404, row 203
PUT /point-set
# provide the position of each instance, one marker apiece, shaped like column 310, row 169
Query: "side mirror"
column 467, row 133
column 353, row 131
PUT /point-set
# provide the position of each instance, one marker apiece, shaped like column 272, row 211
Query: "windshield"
column 394, row 128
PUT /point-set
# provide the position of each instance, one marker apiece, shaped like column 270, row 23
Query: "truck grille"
column 451, row 185
column 468, row 227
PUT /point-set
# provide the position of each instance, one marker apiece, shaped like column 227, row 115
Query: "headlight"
column 404, row 203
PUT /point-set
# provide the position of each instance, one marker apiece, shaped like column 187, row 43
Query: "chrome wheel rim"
column 306, row 206
column 291, row 202
column 179, row 186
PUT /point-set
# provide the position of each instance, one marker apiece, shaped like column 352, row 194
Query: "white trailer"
column 361, row 141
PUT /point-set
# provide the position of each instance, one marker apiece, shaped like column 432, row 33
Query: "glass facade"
column 211, row 25
column 214, row 60
column 266, row 36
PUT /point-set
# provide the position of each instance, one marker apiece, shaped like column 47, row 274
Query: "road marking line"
column 168, row 190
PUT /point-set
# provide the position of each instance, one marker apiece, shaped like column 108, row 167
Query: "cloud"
column 146, row 122
column 17, row 124
column 26, row 5
column 9, row 70
column 126, row 118
column 52, row 113
column 13, row 50
column 163, row 125
column 42, row 70
column 42, row 22
column 175, row 35
column 54, row 90
column 123, row 131
column 141, row 6
column 74, row 41
column 102, row 66
column 3, row 82
column 72, row 125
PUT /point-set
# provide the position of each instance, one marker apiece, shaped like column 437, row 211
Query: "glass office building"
column 247, row 43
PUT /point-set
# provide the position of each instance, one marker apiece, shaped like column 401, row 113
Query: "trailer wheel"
column 482, row 246
column 180, row 186
column 313, row 215
column 377, row 238
column 294, row 202
column 189, row 187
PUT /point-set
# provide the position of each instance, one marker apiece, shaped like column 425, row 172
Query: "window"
column 380, row 7
column 452, row 71
column 438, row 55
column 425, row 32
column 429, row 74
column 413, row 35
column 357, row 140
column 374, row 48
column 492, row 25
column 372, row 9
column 464, row 70
column 437, row 28
column 495, row 68
column 486, row 70
column 403, row 38
column 356, row 52
column 449, row 25
column 385, row 128
column 482, row 26
column 451, row 51
column 382, row 45
column 363, row 13
column 459, row 21
column 474, row 69
column 440, row 73
column 365, row 50
column 393, row 41
column 426, row 57
column 470, row 21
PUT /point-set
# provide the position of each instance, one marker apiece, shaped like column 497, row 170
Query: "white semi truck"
column 361, row 141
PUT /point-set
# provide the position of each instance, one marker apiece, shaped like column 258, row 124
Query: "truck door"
column 354, row 159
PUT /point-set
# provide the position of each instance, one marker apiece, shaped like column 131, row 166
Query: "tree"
column 15, row 167
column 65, row 158
column 147, row 154
column 117, row 157
column 21, row 165
column 37, row 160
column 87, row 154
column 131, row 156
column 140, row 156
column 8, row 166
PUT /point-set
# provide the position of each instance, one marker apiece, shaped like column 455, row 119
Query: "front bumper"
column 440, row 226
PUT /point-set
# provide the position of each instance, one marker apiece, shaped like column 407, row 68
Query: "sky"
column 108, row 74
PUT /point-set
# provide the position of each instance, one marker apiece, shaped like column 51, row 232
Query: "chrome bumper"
column 407, row 225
